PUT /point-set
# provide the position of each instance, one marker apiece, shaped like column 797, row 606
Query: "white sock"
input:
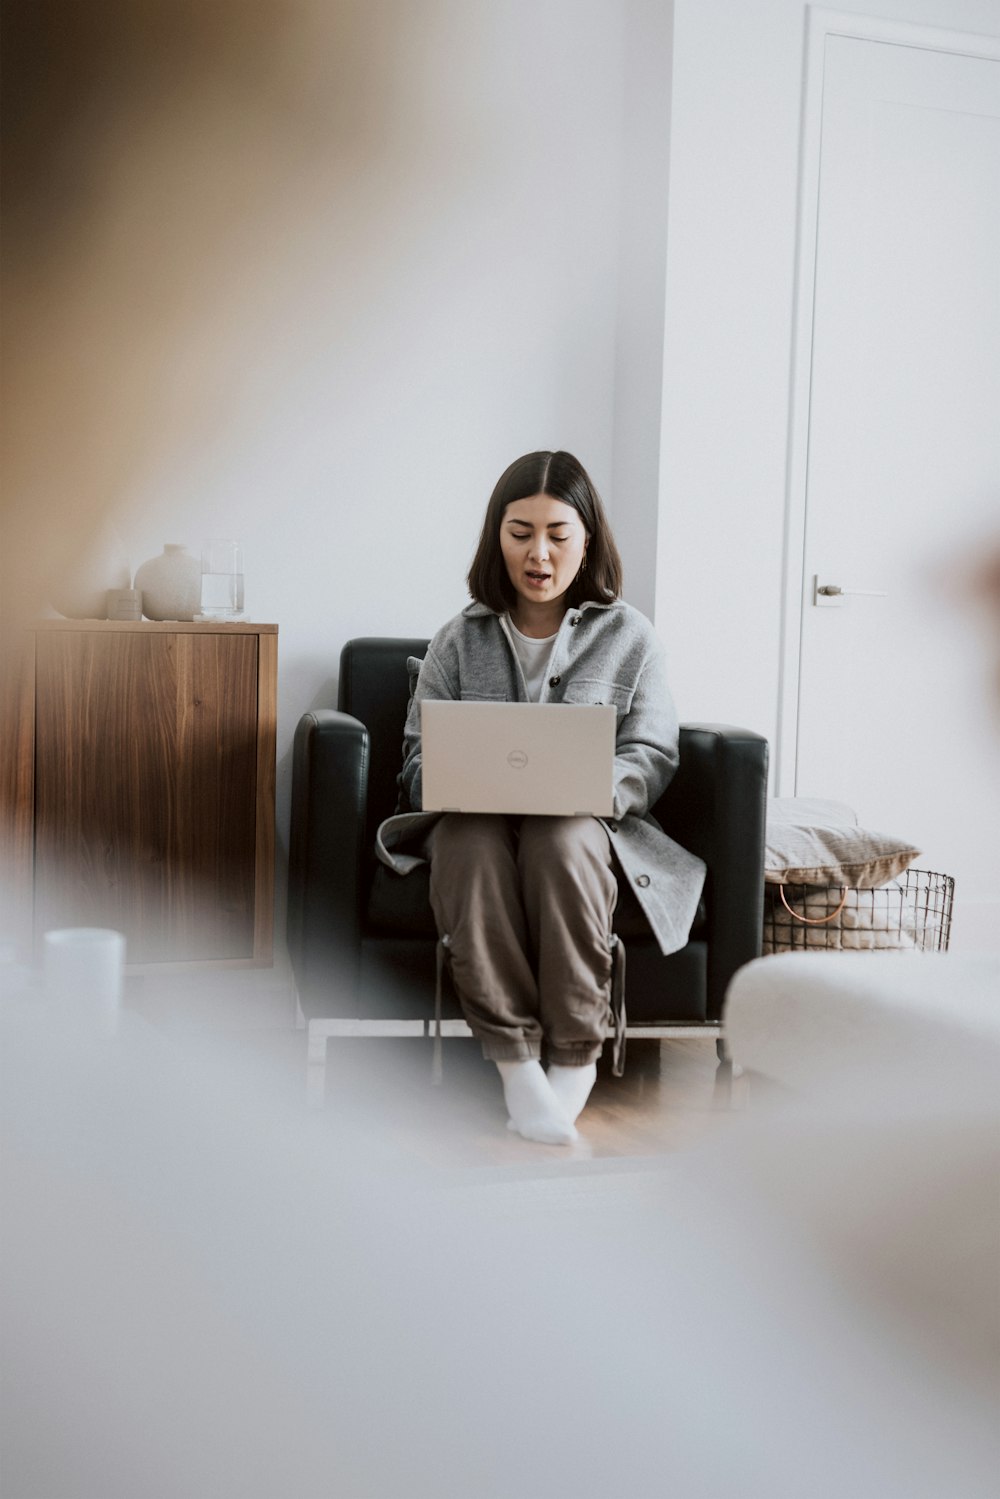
column 571, row 1087
column 532, row 1105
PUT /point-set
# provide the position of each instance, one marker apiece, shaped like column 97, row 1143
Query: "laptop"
column 546, row 759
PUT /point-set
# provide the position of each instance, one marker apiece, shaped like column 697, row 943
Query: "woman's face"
column 543, row 541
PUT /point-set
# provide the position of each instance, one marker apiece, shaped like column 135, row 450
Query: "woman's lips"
column 538, row 580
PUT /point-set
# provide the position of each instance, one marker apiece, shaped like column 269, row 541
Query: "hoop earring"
column 583, row 566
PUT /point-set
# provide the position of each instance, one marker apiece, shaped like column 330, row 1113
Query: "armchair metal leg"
column 732, row 1086
column 320, row 1032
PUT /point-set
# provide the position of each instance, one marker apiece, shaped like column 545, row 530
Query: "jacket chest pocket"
column 596, row 690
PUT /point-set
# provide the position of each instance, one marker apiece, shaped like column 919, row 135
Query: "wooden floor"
column 673, row 1094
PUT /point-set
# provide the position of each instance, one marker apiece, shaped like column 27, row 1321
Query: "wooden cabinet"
column 147, row 785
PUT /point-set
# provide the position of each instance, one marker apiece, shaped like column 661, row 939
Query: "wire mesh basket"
column 913, row 912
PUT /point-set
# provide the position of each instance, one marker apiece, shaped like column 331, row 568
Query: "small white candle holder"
column 84, row 969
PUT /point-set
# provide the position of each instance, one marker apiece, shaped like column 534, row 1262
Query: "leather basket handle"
column 813, row 920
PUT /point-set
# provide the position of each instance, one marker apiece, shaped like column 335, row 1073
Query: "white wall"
column 440, row 291
column 638, row 390
column 737, row 91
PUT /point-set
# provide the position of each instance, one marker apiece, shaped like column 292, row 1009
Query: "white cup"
column 84, row 970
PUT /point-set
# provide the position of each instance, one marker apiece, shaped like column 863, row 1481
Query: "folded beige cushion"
column 816, row 842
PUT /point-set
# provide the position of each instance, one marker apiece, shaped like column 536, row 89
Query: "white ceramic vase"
column 170, row 584
column 102, row 563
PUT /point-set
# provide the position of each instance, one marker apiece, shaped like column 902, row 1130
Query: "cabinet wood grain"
column 153, row 786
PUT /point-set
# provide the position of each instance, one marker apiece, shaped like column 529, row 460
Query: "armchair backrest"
column 374, row 688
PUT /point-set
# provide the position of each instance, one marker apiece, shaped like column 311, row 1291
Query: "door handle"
column 827, row 595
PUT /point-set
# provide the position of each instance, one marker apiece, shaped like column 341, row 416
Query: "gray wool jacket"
column 603, row 653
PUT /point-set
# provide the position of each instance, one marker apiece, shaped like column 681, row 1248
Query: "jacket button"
column 574, row 620
column 614, row 828
column 554, row 681
column 642, row 880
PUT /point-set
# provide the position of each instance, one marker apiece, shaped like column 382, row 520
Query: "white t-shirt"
column 534, row 658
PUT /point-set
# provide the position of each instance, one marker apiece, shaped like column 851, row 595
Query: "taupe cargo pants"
column 524, row 906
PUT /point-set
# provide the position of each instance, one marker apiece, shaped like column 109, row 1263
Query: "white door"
column 903, row 470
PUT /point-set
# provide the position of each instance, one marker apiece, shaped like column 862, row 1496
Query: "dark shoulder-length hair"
column 562, row 477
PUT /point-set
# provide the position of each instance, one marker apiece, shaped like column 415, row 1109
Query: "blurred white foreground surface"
column 832, row 1024
column 205, row 1296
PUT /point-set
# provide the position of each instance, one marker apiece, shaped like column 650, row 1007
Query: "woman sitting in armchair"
column 524, row 905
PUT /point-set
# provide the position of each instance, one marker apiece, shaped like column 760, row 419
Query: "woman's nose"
column 540, row 549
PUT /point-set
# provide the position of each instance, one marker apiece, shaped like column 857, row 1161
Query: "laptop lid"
column 547, row 759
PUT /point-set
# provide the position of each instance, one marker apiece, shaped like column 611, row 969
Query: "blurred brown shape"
column 162, row 163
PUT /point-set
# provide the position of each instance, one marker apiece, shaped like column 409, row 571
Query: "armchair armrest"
column 326, row 857
column 716, row 807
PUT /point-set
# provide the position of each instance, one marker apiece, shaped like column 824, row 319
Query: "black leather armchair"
column 362, row 939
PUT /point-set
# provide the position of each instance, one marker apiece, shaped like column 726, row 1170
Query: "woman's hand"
column 646, row 747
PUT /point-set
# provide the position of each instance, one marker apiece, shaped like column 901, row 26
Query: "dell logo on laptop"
column 517, row 759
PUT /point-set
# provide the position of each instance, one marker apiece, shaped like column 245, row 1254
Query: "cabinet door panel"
column 215, row 812
column 145, row 766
